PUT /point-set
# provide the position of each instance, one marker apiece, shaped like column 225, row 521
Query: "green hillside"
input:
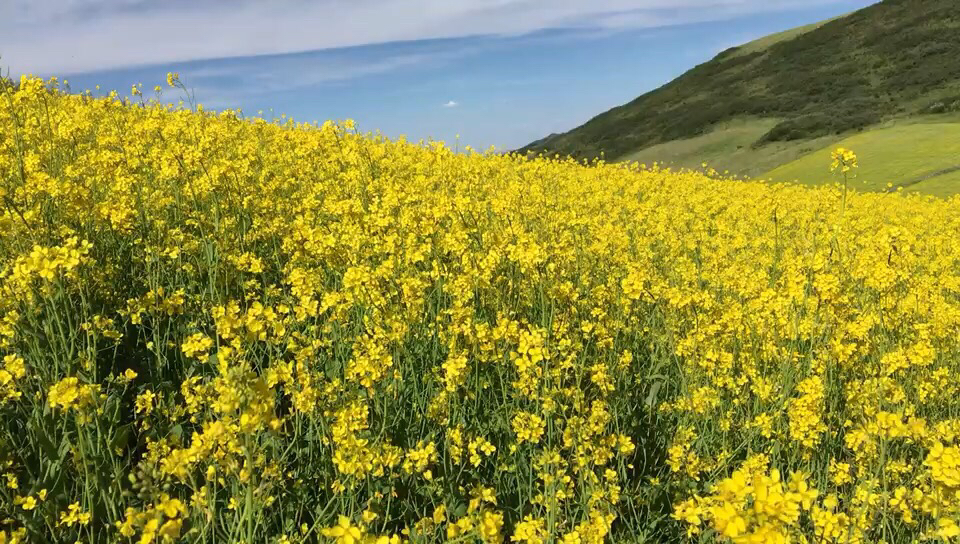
column 773, row 100
column 916, row 156
column 943, row 185
column 728, row 146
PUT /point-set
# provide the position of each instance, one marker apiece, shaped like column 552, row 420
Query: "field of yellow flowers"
column 216, row 329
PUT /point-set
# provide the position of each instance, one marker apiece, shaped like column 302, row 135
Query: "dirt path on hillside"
column 925, row 177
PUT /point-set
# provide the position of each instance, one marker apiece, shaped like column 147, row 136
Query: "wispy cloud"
column 234, row 80
column 451, row 104
column 75, row 36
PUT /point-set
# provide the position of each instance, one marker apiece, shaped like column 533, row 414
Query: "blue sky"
column 497, row 72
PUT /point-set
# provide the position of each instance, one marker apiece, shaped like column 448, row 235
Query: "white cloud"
column 451, row 104
column 267, row 75
column 71, row 36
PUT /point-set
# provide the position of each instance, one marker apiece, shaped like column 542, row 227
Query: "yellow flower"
column 528, row 427
column 70, row 395
column 530, row 530
column 27, row 503
column 145, row 401
column 74, row 515
column 196, row 346
column 344, row 532
column 844, row 160
column 947, row 528
column 439, row 514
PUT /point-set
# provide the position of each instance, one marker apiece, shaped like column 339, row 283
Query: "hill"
column 803, row 88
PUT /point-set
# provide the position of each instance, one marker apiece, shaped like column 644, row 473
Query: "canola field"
column 216, row 329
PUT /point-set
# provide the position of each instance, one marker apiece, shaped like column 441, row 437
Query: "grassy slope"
column 896, row 59
column 945, row 185
column 906, row 154
column 728, row 148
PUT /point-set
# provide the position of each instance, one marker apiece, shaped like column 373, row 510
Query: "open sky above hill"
column 498, row 73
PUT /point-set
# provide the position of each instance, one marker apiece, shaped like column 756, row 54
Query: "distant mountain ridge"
column 897, row 58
